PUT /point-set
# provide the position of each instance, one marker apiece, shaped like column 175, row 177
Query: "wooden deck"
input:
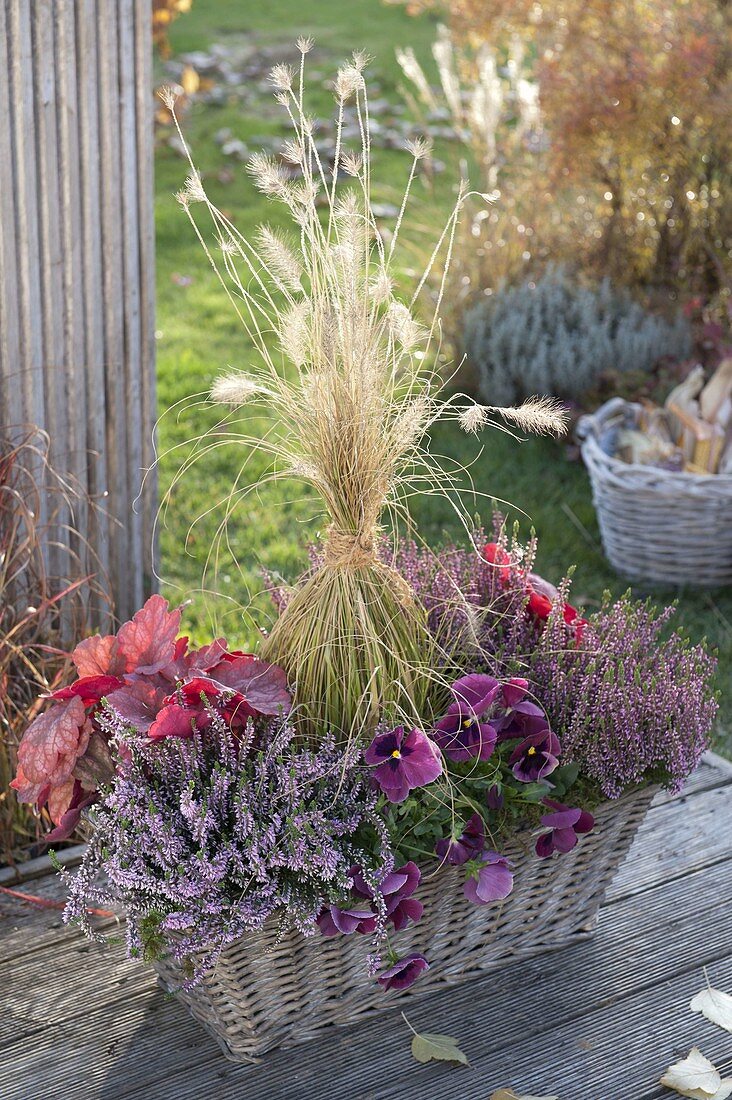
column 598, row 1021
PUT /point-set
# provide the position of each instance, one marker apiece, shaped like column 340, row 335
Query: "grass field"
column 198, row 337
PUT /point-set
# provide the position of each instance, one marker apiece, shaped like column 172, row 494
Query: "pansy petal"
column 514, row 690
column 562, row 819
column 545, row 845
column 564, row 839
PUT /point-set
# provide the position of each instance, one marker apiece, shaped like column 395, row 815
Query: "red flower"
column 541, row 595
column 497, row 556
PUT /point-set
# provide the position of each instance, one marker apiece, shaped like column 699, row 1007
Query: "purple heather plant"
column 633, row 703
column 206, row 839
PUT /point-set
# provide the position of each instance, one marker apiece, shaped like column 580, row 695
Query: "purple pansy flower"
column 334, row 921
column 521, row 720
column 536, row 756
column 468, row 846
column 490, row 879
column 494, row 797
column 563, row 825
column 403, row 761
column 404, row 972
column 462, row 734
column 399, row 906
column 514, row 690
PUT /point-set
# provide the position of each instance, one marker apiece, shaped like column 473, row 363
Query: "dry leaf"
column 509, row 1094
column 697, row 1078
column 715, row 1005
column 441, row 1048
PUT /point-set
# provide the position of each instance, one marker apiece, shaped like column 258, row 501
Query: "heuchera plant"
column 157, row 684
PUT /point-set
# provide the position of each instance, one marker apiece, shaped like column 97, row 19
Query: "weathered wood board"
column 77, row 274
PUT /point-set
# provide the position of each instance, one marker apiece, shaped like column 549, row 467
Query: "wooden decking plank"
column 676, row 838
column 573, row 982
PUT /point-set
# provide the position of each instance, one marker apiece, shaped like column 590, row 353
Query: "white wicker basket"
column 671, row 528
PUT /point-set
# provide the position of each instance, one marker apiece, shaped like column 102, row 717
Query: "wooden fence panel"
column 77, row 270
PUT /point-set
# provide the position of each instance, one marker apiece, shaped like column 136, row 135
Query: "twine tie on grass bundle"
column 350, row 549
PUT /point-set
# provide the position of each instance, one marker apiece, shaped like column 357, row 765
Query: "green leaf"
column 440, row 1048
column 564, row 777
column 534, row 792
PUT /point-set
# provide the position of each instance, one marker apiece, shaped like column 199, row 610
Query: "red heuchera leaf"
column 98, row 656
column 65, row 806
column 90, row 689
column 186, row 662
column 176, row 721
column 148, row 641
column 60, row 798
column 144, row 645
column 27, row 791
column 50, row 748
column 263, row 687
column 138, row 702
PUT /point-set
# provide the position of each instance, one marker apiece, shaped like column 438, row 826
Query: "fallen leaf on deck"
column 715, row 1005
column 509, row 1094
column 441, row 1048
column 697, row 1078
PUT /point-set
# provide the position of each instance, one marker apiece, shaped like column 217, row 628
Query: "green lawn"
column 198, row 337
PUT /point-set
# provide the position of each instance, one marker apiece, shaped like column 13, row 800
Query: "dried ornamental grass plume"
column 168, row 95
column 280, row 259
column 282, row 77
column 193, row 190
column 541, row 415
column 234, row 389
column 349, row 412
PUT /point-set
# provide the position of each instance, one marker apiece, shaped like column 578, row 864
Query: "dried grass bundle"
column 351, row 395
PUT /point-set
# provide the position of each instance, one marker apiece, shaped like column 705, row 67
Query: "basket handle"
column 589, row 424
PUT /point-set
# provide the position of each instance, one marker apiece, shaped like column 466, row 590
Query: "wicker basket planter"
column 671, row 528
column 264, row 992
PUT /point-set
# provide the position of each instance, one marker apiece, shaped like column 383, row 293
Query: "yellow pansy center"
column 396, row 754
column 467, row 722
column 532, row 751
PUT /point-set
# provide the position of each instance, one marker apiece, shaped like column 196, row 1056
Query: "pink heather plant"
column 631, row 704
column 629, row 700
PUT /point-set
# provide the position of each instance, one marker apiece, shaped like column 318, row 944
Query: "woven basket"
column 671, row 528
column 264, row 992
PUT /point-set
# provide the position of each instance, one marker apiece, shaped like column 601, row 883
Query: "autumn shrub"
column 636, row 104
column 559, row 336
